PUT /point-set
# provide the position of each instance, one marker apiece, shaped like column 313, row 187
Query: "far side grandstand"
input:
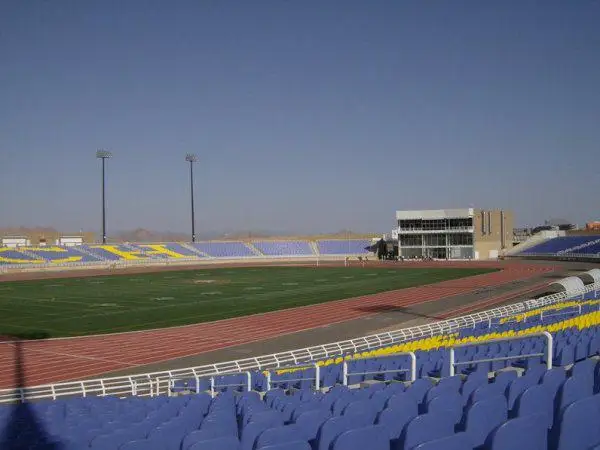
column 73, row 251
column 558, row 242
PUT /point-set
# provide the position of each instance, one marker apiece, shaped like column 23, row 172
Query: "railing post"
column 197, row 384
column 549, row 349
column 268, row 380
column 451, row 358
column 345, row 373
column 212, row 387
column 317, row 377
column 249, row 381
column 413, row 366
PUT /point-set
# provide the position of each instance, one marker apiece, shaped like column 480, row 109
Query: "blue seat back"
column 373, row 437
column 457, row 441
column 426, row 427
column 450, row 403
column 222, row 443
column 310, row 422
column 536, row 400
column 482, row 417
column 298, row 445
column 336, row 426
column 571, row 390
column 577, row 425
column 528, row 432
column 394, row 419
column 279, row 435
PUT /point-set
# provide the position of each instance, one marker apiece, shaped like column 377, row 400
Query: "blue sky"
column 307, row 116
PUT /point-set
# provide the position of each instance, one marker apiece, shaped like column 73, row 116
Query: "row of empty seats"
column 588, row 245
column 58, row 254
column 535, row 408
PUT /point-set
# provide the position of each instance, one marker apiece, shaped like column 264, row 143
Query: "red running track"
column 54, row 360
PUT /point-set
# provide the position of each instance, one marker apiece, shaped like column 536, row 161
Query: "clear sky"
column 306, row 115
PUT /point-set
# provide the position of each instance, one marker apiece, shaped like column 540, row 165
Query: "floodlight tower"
column 103, row 155
column 191, row 158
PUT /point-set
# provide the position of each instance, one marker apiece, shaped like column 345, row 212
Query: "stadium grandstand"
column 24, row 254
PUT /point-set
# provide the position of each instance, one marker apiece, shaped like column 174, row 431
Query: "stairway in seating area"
column 85, row 250
column 314, row 247
column 31, row 254
column 193, row 249
column 533, row 240
column 253, row 249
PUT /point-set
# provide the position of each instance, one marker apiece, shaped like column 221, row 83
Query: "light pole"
column 191, row 158
column 103, row 155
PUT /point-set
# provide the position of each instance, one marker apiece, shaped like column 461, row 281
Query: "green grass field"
column 108, row 304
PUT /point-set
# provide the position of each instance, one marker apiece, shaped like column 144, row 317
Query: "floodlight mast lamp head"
column 102, row 154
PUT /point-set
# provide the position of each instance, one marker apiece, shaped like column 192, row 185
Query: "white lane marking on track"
column 211, row 293
column 347, row 278
column 290, row 284
column 163, row 298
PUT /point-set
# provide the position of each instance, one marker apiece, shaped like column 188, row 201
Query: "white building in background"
column 457, row 234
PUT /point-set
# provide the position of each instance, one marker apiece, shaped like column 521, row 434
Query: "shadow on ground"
column 395, row 309
column 20, row 426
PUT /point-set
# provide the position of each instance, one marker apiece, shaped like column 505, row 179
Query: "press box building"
column 465, row 233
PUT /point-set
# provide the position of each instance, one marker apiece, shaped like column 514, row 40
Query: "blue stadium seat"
column 309, row 422
column 570, row 391
column 528, row 432
column 457, row 441
column 426, row 427
column 299, row 445
column 536, row 400
column 395, row 418
column 372, row 437
column 483, row 417
column 280, row 435
column 517, row 387
column 222, row 443
column 335, row 426
column 451, row 403
column 577, row 425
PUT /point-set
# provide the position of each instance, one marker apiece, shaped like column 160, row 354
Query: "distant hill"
column 35, row 234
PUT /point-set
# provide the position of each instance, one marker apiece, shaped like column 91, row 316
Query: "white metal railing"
column 453, row 363
column 316, row 378
column 124, row 263
column 412, row 370
column 562, row 257
column 145, row 384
